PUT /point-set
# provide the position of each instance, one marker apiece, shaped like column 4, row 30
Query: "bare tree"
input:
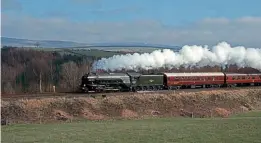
column 70, row 75
column 36, row 68
column 85, row 67
column 8, row 76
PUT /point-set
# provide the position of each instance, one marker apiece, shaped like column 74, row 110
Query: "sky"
column 172, row 22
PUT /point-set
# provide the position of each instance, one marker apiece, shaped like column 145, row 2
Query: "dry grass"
column 126, row 113
column 222, row 112
column 198, row 104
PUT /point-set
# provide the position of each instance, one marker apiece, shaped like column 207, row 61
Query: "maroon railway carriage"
column 192, row 80
column 236, row 79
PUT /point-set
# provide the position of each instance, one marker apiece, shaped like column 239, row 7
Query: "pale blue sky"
column 155, row 21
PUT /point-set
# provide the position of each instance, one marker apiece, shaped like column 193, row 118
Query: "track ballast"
column 73, row 95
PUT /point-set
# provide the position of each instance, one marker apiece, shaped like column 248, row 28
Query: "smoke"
column 219, row 55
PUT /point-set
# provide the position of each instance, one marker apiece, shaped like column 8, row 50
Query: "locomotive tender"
column 164, row 81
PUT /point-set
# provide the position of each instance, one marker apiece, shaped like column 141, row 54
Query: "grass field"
column 239, row 128
column 98, row 52
column 91, row 52
column 249, row 114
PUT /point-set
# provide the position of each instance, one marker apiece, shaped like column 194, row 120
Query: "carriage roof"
column 194, row 74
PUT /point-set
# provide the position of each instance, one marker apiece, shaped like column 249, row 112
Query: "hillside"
column 201, row 104
column 6, row 41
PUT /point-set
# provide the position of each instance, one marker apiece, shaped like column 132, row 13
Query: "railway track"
column 72, row 95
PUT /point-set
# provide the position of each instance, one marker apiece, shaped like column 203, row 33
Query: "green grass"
column 92, row 52
column 163, row 130
column 249, row 114
column 99, row 52
column 95, row 53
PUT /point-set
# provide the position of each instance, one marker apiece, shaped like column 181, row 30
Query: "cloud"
column 244, row 31
column 11, row 5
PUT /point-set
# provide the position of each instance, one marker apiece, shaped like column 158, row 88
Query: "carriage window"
column 260, row 76
column 243, row 77
column 233, row 78
column 253, row 77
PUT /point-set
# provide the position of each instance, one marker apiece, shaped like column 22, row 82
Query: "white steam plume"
column 221, row 54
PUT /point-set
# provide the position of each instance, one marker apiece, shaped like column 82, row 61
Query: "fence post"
column 54, row 89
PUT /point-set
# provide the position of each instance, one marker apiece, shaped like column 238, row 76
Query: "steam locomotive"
column 132, row 82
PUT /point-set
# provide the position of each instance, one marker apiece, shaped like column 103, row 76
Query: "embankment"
column 198, row 104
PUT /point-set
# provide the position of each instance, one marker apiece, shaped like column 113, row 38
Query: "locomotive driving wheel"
column 138, row 88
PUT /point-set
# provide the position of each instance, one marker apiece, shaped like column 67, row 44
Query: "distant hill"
column 5, row 41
